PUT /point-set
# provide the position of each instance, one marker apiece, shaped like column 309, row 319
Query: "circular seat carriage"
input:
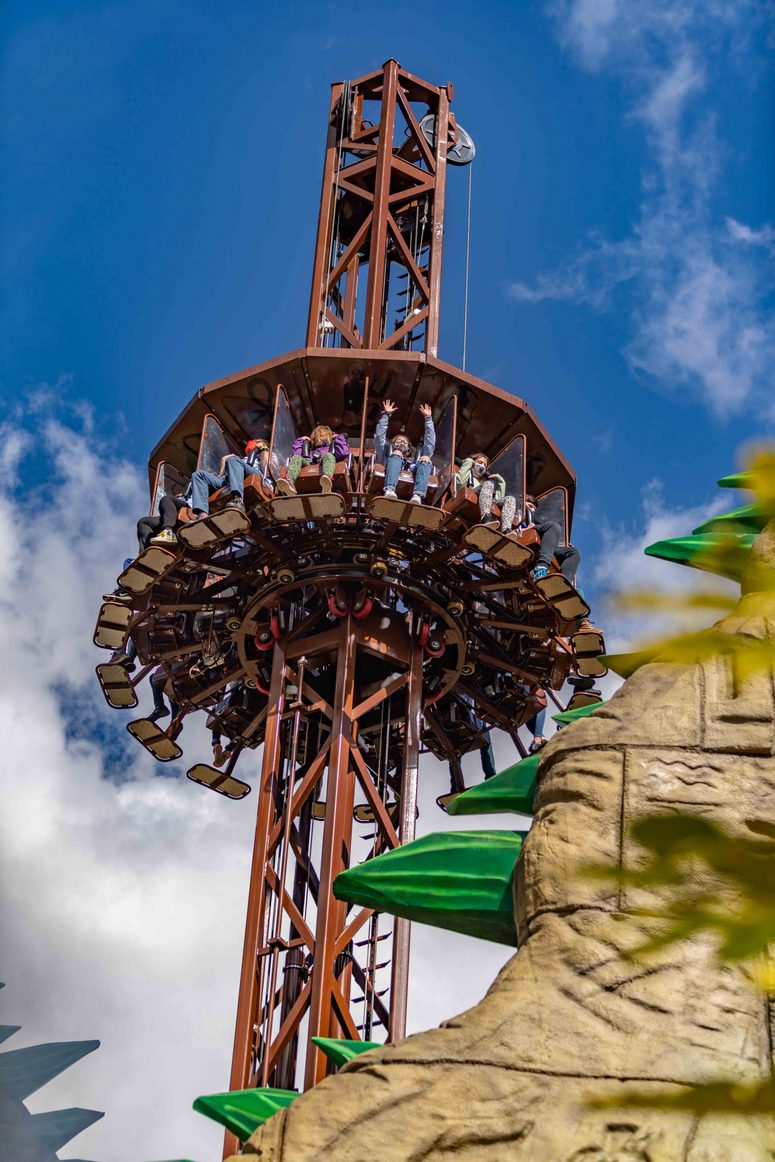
column 426, row 579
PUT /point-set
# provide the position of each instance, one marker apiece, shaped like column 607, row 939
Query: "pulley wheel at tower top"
column 461, row 152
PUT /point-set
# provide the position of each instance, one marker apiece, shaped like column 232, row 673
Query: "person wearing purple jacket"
column 322, row 447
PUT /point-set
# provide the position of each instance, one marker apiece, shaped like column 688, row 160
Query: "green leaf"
column 750, row 518
column 670, row 833
column 22, row 1071
column 510, row 790
column 724, row 555
column 742, row 480
column 459, row 880
column 689, row 852
column 567, row 716
column 243, row 1110
column 340, row 1051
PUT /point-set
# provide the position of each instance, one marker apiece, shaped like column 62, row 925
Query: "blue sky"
column 161, row 176
column 163, row 166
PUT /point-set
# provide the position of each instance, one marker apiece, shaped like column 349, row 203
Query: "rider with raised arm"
column 398, row 455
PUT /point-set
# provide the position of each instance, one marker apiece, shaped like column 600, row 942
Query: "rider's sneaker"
column 119, row 594
column 585, row 624
column 165, row 537
column 326, row 483
column 119, row 658
column 236, row 502
column 581, row 682
column 284, row 487
column 390, row 493
column 155, row 715
column 416, row 499
column 540, row 572
column 218, row 755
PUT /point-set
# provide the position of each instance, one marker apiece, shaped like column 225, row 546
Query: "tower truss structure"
column 377, row 273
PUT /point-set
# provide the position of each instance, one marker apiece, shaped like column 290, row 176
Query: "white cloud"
column 589, row 277
column 124, row 885
column 622, row 567
column 13, row 445
column 741, row 233
column 609, row 33
column 704, row 325
column 697, row 285
column 663, row 106
column 124, row 888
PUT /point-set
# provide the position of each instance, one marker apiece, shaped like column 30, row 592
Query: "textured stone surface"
column 569, row 1016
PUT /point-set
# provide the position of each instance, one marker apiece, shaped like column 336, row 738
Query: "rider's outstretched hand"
column 388, row 406
column 425, row 410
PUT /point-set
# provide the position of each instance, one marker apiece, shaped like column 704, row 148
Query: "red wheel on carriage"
column 365, row 609
column 335, row 608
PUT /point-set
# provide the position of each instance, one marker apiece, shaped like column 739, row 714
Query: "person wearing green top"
column 474, row 473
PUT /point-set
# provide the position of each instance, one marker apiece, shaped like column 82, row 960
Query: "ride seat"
column 375, row 481
column 235, row 722
column 256, row 492
column 465, row 505
column 308, row 479
column 165, row 638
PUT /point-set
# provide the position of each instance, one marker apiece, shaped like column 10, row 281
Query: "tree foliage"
column 722, row 883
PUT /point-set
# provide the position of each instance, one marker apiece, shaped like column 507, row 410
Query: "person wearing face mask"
column 398, row 455
column 474, row 473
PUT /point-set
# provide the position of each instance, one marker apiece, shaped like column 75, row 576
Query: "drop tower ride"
column 354, row 632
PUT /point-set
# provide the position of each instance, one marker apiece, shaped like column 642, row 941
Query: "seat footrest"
column 313, row 506
column 364, row 812
column 112, row 628
column 147, row 569
column 419, row 516
column 588, row 645
column 559, row 592
column 159, row 744
column 308, row 480
column 216, row 526
column 500, row 546
column 584, row 698
column 219, row 781
column 116, row 685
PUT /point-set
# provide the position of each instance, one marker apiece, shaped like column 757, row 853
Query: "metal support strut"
column 342, row 743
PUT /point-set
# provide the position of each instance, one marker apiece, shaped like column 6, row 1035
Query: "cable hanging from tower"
column 468, row 252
